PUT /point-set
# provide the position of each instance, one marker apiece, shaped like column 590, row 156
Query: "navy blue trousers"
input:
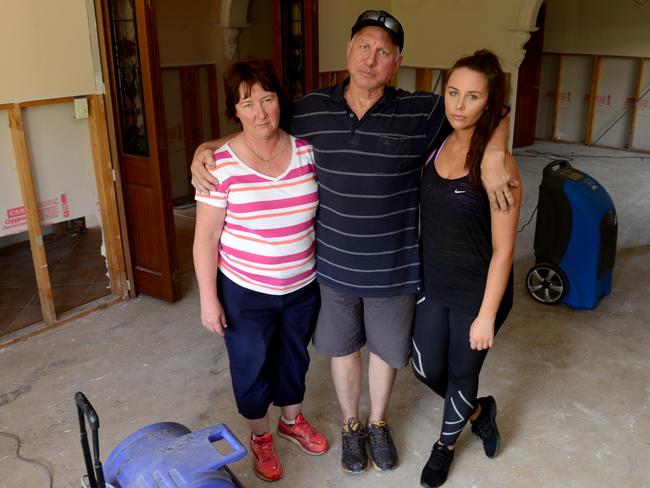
column 267, row 338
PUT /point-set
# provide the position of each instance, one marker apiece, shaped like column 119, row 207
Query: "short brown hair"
column 247, row 73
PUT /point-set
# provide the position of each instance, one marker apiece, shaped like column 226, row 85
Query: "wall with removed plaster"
column 63, row 172
column 573, row 103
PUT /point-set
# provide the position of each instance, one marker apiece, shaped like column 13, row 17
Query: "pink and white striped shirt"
column 268, row 243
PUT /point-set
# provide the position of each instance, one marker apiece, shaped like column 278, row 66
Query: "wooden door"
column 198, row 98
column 135, row 84
column 295, row 45
column 528, row 86
column 192, row 117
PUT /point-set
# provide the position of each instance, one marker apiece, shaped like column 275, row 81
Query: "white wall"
column 604, row 27
column 573, row 106
column 640, row 139
column 618, row 32
column 335, row 19
column 612, row 114
column 48, row 50
column 62, row 168
column 257, row 40
column 437, row 32
column 188, row 32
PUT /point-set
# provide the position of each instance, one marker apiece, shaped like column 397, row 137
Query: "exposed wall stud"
column 107, row 197
column 101, row 9
column 635, row 109
column 28, row 192
column 595, row 77
column 558, row 85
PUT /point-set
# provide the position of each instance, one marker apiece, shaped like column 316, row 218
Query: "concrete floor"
column 572, row 387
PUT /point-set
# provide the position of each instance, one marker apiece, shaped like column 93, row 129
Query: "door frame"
column 106, row 56
column 536, row 40
column 309, row 46
column 112, row 145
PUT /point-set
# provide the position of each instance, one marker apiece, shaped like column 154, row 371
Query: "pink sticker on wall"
column 65, row 205
column 49, row 212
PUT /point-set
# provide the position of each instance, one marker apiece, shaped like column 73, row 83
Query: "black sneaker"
column 437, row 468
column 354, row 457
column 485, row 426
column 382, row 448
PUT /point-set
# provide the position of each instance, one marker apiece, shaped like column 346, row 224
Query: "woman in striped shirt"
column 254, row 258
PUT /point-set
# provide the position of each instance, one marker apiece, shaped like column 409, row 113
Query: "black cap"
column 381, row 18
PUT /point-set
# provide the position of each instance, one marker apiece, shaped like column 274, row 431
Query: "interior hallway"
column 572, row 387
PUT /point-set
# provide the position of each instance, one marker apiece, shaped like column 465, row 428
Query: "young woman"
column 255, row 265
column 467, row 262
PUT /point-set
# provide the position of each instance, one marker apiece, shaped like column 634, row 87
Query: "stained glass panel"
column 129, row 79
column 292, row 47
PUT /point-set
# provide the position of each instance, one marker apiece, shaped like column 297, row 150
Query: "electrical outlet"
column 81, row 108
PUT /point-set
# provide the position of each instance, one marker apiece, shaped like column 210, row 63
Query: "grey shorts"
column 347, row 322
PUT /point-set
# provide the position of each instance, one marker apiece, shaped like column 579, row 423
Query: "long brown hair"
column 486, row 63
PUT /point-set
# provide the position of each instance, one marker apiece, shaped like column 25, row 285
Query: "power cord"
column 529, row 220
column 14, row 437
column 550, row 155
column 553, row 156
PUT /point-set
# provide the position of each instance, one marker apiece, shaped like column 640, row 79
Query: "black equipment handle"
column 555, row 166
column 86, row 412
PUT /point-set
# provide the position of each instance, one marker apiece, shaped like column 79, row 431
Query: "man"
column 370, row 141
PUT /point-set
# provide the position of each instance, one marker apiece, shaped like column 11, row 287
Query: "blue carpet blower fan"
column 575, row 239
column 161, row 455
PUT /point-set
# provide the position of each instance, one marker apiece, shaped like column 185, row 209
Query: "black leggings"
column 443, row 360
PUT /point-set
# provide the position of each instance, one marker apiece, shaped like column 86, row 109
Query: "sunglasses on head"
column 384, row 18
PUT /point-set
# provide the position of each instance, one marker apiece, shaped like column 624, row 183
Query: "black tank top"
column 456, row 240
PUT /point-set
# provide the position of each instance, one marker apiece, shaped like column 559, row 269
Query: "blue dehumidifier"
column 160, row 455
column 575, row 239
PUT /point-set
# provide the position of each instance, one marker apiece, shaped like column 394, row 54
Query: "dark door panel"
column 135, row 85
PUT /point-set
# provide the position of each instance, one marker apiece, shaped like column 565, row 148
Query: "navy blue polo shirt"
column 369, row 177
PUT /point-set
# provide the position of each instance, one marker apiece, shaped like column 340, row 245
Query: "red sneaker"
column 266, row 464
column 305, row 435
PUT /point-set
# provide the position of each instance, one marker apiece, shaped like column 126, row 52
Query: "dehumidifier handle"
column 84, row 407
column 86, row 411
column 555, row 166
column 221, row 431
column 559, row 164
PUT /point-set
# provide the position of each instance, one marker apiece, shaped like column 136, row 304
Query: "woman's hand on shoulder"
column 213, row 317
column 481, row 334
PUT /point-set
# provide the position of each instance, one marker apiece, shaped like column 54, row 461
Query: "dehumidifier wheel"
column 546, row 283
